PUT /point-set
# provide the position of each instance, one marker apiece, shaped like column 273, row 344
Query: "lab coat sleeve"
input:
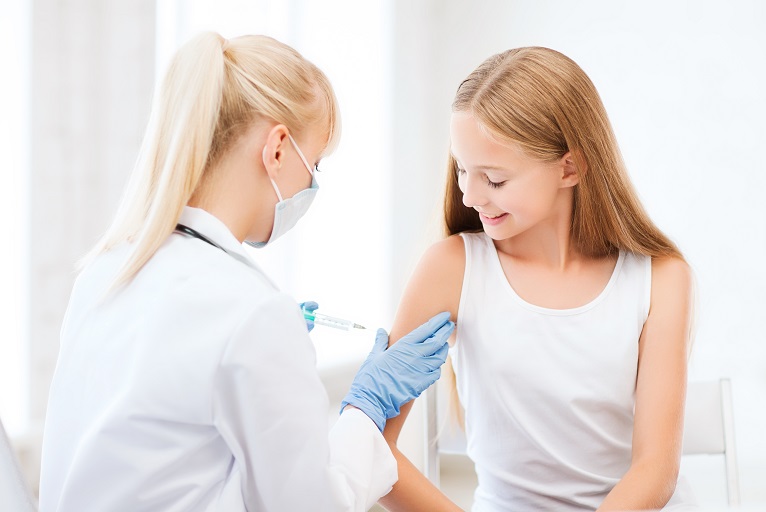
column 272, row 410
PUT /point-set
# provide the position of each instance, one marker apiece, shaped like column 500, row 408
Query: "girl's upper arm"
column 434, row 286
column 662, row 365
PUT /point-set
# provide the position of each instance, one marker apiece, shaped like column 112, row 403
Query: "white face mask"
column 288, row 211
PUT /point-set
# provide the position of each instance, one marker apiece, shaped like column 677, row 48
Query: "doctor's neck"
column 236, row 190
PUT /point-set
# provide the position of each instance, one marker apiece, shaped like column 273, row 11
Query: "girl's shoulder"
column 671, row 267
column 445, row 259
column 434, row 286
column 672, row 280
column 451, row 247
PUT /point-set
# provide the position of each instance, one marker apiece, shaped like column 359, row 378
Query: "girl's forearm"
column 644, row 487
column 413, row 492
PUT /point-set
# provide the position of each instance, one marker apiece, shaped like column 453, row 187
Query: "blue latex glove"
column 390, row 378
column 309, row 306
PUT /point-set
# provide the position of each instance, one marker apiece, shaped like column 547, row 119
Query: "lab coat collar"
column 210, row 226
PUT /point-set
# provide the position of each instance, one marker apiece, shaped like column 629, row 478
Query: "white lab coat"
column 195, row 388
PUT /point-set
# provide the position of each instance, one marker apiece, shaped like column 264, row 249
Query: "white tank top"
column 548, row 393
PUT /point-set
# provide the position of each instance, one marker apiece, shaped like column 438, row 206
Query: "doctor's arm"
column 271, row 409
column 434, row 286
column 660, row 392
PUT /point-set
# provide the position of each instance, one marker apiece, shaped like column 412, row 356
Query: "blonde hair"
column 212, row 92
column 544, row 102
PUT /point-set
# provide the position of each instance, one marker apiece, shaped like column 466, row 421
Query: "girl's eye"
column 495, row 184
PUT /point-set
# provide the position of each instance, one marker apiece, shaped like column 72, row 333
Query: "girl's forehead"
column 470, row 140
column 463, row 121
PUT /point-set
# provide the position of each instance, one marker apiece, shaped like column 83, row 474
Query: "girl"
column 573, row 307
column 186, row 381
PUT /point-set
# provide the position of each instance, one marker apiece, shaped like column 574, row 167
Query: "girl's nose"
column 471, row 195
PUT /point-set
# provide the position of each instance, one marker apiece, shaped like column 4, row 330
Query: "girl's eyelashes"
column 493, row 184
column 316, row 168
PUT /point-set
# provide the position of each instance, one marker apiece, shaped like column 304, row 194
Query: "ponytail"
column 173, row 154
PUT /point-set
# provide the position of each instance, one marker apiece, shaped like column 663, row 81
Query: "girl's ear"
column 571, row 168
column 274, row 150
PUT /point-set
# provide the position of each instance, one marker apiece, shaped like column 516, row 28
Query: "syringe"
column 330, row 321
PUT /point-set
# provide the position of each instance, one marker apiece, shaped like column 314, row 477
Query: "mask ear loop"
column 300, row 154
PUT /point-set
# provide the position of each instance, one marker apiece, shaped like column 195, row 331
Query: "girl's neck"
column 547, row 244
column 545, row 268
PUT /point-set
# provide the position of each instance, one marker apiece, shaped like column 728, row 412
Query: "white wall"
column 683, row 83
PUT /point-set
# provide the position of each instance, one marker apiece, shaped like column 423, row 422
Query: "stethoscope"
column 196, row 234
column 186, row 230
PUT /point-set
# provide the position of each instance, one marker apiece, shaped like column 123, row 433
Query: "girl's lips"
column 492, row 221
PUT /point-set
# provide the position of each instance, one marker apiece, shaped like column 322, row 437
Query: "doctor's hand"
column 309, row 306
column 391, row 377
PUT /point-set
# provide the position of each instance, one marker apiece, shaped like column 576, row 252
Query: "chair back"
column 441, row 433
column 709, row 427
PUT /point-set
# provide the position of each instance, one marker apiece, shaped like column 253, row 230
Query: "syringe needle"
column 330, row 321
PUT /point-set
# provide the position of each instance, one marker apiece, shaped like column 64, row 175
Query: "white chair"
column 14, row 494
column 708, row 429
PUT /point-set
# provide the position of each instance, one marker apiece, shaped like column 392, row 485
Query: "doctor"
column 186, row 381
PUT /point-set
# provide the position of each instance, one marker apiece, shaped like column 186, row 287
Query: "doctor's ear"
column 274, row 149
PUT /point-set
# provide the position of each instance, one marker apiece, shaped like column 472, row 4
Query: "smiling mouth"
column 492, row 219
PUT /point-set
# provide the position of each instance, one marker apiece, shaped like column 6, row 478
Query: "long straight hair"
column 212, row 92
column 544, row 102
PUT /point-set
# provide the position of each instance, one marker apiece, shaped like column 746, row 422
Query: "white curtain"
column 14, row 54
